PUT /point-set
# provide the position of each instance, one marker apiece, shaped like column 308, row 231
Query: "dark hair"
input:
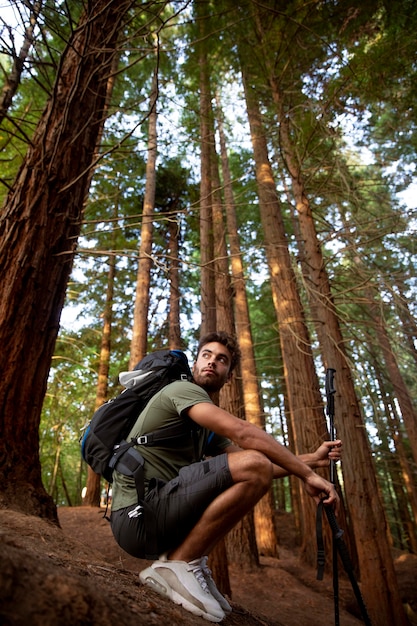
column 228, row 341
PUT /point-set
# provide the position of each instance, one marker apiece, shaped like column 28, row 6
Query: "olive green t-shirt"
column 168, row 407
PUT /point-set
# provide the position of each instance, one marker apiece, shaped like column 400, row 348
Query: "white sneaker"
column 212, row 586
column 185, row 584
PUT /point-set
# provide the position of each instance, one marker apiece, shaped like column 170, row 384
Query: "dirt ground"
column 77, row 574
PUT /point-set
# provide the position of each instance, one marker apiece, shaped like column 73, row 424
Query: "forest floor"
column 77, row 574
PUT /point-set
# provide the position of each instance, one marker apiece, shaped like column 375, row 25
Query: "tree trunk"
column 208, row 296
column 93, row 492
column 219, row 567
column 12, row 81
column 407, row 320
column 139, row 344
column 266, row 537
column 305, row 403
column 399, row 465
column 240, row 543
column 218, row 556
column 369, row 524
column 39, row 227
column 174, row 325
column 401, row 392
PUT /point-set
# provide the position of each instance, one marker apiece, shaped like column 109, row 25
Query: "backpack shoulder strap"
column 168, row 434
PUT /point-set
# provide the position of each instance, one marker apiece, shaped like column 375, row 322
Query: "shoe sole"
column 153, row 580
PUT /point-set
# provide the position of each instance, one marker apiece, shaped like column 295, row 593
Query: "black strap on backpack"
column 168, row 434
column 127, row 460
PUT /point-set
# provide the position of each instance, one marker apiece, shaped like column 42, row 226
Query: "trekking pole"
column 339, row 546
column 330, row 391
column 347, row 564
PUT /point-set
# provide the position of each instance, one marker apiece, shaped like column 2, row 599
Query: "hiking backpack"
column 103, row 445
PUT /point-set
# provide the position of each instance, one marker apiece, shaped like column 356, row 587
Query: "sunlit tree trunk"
column 139, row 343
column 408, row 321
column 402, row 396
column 369, row 523
column 174, row 326
column 305, row 403
column 39, row 227
column 398, row 463
column 218, row 556
column 64, row 484
column 58, row 448
column 240, row 542
column 266, row 537
column 93, row 491
column 401, row 392
column 230, row 397
column 407, row 480
column 208, row 298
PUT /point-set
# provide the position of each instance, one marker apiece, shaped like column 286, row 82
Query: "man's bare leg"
column 252, row 475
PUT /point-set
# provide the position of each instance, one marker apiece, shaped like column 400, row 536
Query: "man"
column 189, row 506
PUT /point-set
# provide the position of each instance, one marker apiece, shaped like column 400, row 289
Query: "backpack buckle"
column 142, row 440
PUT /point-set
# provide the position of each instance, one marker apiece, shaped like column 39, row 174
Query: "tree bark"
column 401, row 392
column 139, row 344
column 304, row 400
column 92, row 496
column 39, row 227
column 174, row 324
column 266, row 536
column 369, row 523
column 208, row 296
column 241, row 542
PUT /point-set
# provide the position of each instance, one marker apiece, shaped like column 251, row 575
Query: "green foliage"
column 53, row 27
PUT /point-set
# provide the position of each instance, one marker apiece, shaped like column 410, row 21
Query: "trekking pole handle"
column 330, row 391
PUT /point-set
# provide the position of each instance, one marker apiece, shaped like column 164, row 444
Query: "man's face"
column 212, row 367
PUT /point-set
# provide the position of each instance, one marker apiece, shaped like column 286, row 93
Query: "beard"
column 209, row 382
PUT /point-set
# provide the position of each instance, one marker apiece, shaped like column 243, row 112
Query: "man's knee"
column 251, row 465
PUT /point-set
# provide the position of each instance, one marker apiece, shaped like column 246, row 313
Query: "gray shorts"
column 171, row 509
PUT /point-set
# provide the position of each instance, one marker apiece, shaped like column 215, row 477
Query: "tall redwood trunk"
column 174, row 324
column 364, row 500
column 39, row 227
column 401, row 391
column 266, row 536
column 218, row 556
column 241, row 541
column 208, row 297
column 304, row 399
column 92, row 496
column 139, row 343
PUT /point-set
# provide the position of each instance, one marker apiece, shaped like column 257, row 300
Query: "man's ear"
column 230, row 376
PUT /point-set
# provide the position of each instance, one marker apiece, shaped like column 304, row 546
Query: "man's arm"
column 249, row 437
column 326, row 452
